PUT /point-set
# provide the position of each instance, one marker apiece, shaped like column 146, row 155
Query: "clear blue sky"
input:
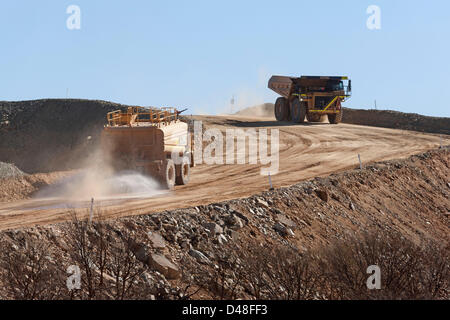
column 199, row 53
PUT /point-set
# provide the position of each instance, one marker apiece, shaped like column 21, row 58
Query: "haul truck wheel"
column 314, row 117
column 182, row 171
column 335, row 117
column 281, row 109
column 169, row 174
column 287, row 116
column 298, row 111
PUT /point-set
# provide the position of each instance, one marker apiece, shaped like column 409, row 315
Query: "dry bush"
column 126, row 270
column 29, row 272
column 190, row 287
column 291, row 275
column 108, row 265
column 110, row 269
column 226, row 277
column 279, row 273
column 222, row 280
column 258, row 272
column 255, row 260
column 435, row 277
column 408, row 271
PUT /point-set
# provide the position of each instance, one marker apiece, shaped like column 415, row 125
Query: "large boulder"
column 156, row 240
column 163, row 265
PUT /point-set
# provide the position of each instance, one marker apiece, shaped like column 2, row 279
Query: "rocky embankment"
column 409, row 197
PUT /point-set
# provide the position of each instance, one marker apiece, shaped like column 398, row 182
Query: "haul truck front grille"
column 322, row 102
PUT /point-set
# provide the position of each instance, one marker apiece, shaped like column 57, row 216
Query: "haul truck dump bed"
column 312, row 97
column 152, row 141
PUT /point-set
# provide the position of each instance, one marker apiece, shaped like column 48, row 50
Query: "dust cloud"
column 99, row 181
column 89, row 184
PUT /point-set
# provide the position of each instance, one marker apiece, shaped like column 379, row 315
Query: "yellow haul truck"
column 152, row 141
column 312, row 97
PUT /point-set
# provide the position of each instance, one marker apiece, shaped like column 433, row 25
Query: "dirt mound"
column 24, row 186
column 8, row 170
column 52, row 134
column 397, row 120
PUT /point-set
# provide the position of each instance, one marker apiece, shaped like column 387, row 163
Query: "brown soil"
column 306, row 151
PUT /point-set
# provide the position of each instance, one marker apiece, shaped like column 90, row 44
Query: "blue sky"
column 198, row 54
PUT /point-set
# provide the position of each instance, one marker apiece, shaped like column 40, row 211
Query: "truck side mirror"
column 349, row 87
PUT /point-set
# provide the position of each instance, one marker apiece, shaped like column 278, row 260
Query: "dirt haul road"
column 306, row 150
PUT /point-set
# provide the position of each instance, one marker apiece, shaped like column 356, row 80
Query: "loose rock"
column 157, row 240
column 322, row 194
column 200, row 257
column 213, row 228
column 161, row 264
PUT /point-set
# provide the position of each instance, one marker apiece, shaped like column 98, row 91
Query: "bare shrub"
column 222, row 280
column 126, row 270
column 408, row 271
column 279, row 273
column 291, row 275
column 29, row 272
column 190, row 287
column 436, row 274
column 259, row 272
column 255, row 261
column 106, row 255
column 110, row 268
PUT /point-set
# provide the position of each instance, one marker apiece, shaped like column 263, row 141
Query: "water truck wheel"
column 335, row 118
column 281, row 109
column 182, row 171
column 298, row 111
column 169, row 174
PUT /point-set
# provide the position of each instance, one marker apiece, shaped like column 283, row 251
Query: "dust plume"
column 263, row 110
column 97, row 180
column 89, row 184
